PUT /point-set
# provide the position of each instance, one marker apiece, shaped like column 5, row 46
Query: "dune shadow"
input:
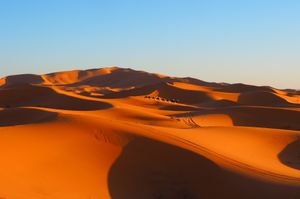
column 290, row 155
column 72, row 103
column 150, row 169
column 22, row 116
column 164, row 90
column 178, row 108
column 263, row 98
column 29, row 95
column 240, row 88
column 254, row 116
column 264, row 117
column 15, row 80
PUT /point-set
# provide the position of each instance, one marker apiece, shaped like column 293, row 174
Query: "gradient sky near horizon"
column 249, row 41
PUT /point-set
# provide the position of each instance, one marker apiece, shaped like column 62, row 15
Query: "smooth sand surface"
column 125, row 134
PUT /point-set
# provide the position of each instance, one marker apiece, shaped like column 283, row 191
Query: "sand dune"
column 29, row 95
column 240, row 88
column 119, row 133
column 165, row 91
column 261, row 99
column 21, row 116
column 106, row 77
column 248, row 116
column 76, row 76
column 20, row 80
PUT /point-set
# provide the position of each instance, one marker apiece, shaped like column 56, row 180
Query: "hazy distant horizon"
column 255, row 42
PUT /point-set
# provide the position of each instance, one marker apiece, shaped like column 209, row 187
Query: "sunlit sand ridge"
column 119, row 133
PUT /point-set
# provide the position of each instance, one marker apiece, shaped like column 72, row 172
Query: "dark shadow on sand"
column 29, row 95
column 153, row 170
column 290, row 155
column 254, row 116
column 22, row 116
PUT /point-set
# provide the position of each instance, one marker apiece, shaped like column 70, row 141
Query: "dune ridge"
column 118, row 133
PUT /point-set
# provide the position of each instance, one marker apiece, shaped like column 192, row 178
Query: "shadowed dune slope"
column 240, row 88
column 16, row 80
column 21, row 116
column 179, row 108
column 290, row 155
column 253, row 116
column 257, row 98
column 166, row 91
column 152, row 168
column 29, row 95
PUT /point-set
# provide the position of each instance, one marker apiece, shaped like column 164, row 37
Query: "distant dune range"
column 119, row 133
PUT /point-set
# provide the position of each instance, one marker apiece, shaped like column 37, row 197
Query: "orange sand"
column 124, row 134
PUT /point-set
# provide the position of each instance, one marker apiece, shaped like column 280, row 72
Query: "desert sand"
column 125, row 134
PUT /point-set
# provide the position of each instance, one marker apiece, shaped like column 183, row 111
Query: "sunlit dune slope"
column 115, row 133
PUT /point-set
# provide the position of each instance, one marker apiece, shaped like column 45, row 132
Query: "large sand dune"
column 125, row 134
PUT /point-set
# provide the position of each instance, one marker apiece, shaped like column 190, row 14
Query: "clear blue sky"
column 249, row 41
